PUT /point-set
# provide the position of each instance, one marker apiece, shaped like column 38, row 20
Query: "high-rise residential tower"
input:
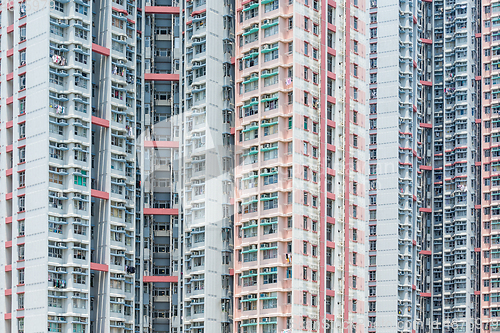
column 423, row 233
column 67, row 160
column 299, row 199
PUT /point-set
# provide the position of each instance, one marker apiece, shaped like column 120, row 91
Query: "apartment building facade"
column 299, row 147
column 68, row 161
column 423, row 184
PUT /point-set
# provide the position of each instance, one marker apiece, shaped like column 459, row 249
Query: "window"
column 20, row 301
column 21, row 204
column 22, row 178
column 306, row 48
column 20, row 252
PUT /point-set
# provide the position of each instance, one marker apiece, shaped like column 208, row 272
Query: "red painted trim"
column 8, row 268
column 425, row 167
column 158, row 278
column 10, row 52
column 231, row 272
column 10, row 100
column 161, row 144
column 9, row 124
column 478, row 35
column 100, row 122
column 160, row 211
column 8, row 292
column 425, row 210
column 425, row 295
column 8, row 172
column 10, row 76
column 426, row 83
column 477, row 121
column 161, row 77
column 100, row 50
column 8, row 196
column 426, row 253
column 477, row 206
column 8, row 244
column 7, row 316
column 197, row 12
column 99, row 194
column 477, row 249
column 162, row 10
column 120, row 10
column 425, row 125
column 10, row 28
column 99, row 267
column 8, row 219
column 426, row 41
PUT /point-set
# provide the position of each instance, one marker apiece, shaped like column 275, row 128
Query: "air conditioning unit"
column 266, row 46
column 274, row 169
column 255, row 99
column 254, row 148
column 265, row 22
column 60, row 244
column 266, row 145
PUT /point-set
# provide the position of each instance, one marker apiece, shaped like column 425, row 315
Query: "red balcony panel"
column 477, row 292
column 197, row 12
column 8, row 219
column 426, row 41
column 233, row 131
column 330, row 292
column 477, row 163
column 425, row 167
column 162, row 10
column 477, row 249
column 162, row 278
column 161, row 77
column 10, row 28
column 232, row 60
column 10, row 53
column 477, row 121
column 9, row 124
column 414, row 19
column 231, row 272
column 160, row 211
column 478, row 35
column 426, row 83
column 330, row 244
column 8, row 292
column 10, row 76
column 99, row 267
column 425, row 210
column 425, row 295
column 477, row 206
column 161, row 144
column 100, row 50
column 413, row 287
column 9, row 148
column 7, row 316
column 425, row 125
column 425, row 253
column 330, row 317
column 8, row 196
column 332, row 3
column 330, row 268
column 120, row 10
column 8, row 244
column 478, row 78
column 231, row 201
column 100, row 122
column 99, row 194
column 10, row 100
column 8, row 268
